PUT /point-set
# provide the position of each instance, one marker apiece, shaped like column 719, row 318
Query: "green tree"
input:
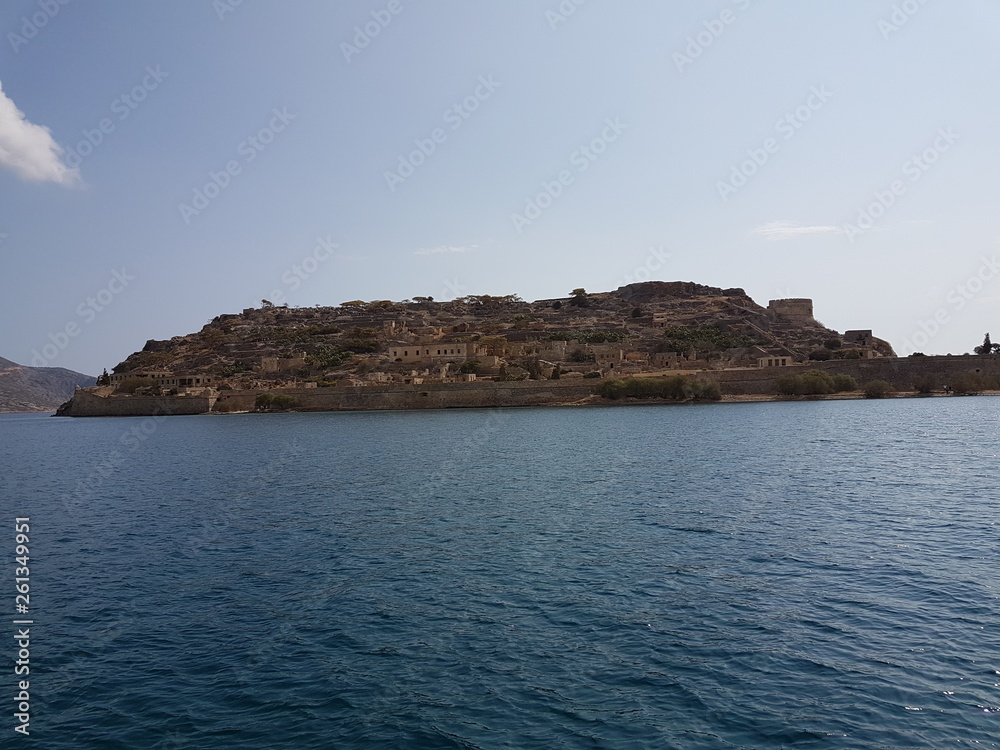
column 877, row 389
column 925, row 383
column 987, row 347
column 579, row 298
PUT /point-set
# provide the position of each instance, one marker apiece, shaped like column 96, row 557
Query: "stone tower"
column 796, row 309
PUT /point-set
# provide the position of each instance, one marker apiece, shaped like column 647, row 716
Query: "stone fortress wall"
column 900, row 372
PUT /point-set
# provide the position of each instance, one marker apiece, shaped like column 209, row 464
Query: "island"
column 660, row 341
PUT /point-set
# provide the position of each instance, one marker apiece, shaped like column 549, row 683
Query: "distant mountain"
column 37, row 388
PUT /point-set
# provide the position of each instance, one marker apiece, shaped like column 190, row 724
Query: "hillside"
column 37, row 388
column 647, row 326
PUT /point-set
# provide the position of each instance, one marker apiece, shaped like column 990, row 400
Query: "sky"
column 164, row 163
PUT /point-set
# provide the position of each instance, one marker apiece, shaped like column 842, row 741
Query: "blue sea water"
column 809, row 574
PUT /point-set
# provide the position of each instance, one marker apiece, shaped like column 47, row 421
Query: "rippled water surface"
column 818, row 574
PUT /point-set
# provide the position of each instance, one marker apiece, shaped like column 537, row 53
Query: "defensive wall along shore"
column 427, row 396
column 900, row 372
column 364, row 398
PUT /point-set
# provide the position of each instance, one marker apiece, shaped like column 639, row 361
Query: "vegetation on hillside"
column 702, row 338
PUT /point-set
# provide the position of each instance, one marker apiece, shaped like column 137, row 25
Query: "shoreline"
column 167, row 406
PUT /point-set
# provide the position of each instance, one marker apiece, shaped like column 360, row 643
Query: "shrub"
column 843, row 383
column 820, row 355
column 814, row 383
column 809, row 383
column 472, row 366
column 925, row 383
column 967, row 382
column 593, row 374
column 239, row 366
column 327, row 357
column 676, row 387
column 360, row 346
column 877, row 389
column 600, row 337
column 713, row 338
column 274, row 401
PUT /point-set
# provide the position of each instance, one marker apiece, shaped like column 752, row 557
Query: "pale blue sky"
column 869, row 97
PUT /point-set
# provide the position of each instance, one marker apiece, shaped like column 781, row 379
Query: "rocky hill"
column 645, row 327
column 37, row 388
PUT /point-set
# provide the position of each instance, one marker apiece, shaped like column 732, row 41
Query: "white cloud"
column 445, row 249
column 29, row 150
column 787, row 230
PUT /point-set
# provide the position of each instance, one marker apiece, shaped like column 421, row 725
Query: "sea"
column 812, row 574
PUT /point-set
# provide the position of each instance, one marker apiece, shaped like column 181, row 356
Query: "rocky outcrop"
column 354, row 339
